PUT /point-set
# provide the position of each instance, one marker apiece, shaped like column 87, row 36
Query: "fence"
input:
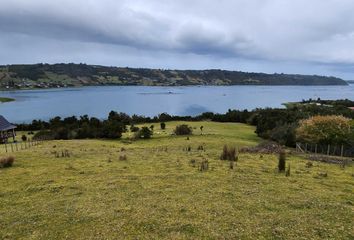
column 330, row 150
column 18, row 146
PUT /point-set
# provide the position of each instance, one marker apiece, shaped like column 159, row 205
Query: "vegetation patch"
column 6, row 162
column 5, row 99
column 183, row 129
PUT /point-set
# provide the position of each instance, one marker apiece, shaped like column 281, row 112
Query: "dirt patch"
column 266, row 147
column 330, row 159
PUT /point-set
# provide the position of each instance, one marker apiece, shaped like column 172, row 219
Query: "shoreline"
column 254, row 85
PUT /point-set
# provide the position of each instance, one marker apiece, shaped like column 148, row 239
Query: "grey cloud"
column 312, row 34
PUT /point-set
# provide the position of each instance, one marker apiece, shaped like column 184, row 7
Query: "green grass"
column 5, row 99
column 158, row 194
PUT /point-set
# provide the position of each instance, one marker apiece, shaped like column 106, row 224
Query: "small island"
column 5, row 99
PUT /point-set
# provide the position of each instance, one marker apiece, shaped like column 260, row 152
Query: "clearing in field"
column 153, row 189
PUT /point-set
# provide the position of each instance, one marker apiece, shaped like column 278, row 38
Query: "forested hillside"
column 67, row 75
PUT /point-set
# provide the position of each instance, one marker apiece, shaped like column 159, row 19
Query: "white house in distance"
column 7, row 130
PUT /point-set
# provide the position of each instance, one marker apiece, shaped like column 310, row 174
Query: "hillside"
column 157, row 192
column 69, row 75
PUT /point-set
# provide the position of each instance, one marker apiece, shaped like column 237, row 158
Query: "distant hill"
column 68, row 75
column 350, row 81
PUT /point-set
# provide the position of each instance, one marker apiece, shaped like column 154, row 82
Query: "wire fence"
column 18, row 146
column 329, row 150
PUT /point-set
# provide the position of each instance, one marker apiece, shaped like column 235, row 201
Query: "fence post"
column 316, row 149
column 5, row 147
column 328, row 149
column 16, row 146
column 12, row 148
column 342, row 151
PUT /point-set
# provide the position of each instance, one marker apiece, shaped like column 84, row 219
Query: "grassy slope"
column 157, row 194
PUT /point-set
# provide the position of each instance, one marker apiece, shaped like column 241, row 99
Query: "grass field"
column 157, row 193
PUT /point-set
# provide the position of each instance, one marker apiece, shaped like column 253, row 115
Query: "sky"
column 283, row 36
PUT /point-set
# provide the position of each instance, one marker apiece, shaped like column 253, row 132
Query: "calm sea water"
column 150, row 101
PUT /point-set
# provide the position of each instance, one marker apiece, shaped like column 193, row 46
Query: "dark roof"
column 5, row 125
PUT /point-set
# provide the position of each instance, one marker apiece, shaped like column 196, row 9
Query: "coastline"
column 200, row 85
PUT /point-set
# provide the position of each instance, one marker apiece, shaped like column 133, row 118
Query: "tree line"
column 276, row 124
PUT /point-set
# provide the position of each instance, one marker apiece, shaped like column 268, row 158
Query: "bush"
column 44, row 134
column 144, row 133
column 201, row 148
column 134, row 128
column 112, row 130
column 204, row 166
column 229, row 153
column 163, row 126
column 284, row 134
column 309, row 164
column 232, row 165
column 6, row 162
column 24, row 138
column 282, row 161
column 183, row 129
column 287, row 173
column 325, row 130
column 193, row 162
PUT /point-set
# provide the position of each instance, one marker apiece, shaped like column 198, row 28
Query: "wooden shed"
column 7, row 130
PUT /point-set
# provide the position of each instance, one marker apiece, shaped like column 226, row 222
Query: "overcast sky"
column 290, row 36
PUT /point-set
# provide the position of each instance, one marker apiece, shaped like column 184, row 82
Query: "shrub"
column 112, row 130
column 325, row 130
column 65, row 154
column 309, row 164
column 284, row 134
column 134, row 128
column 183, row 129
column 287, row 173
column 282, row 161
column 204, row 166
column 152, row 127
column 163, row 126
column 232, row 165
column 62, row 154
column 6, row 162
column 24, row 138
column 144, row 133
column 229, row 153
column 201, row 148
column 44, row 134
column 123, row 158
